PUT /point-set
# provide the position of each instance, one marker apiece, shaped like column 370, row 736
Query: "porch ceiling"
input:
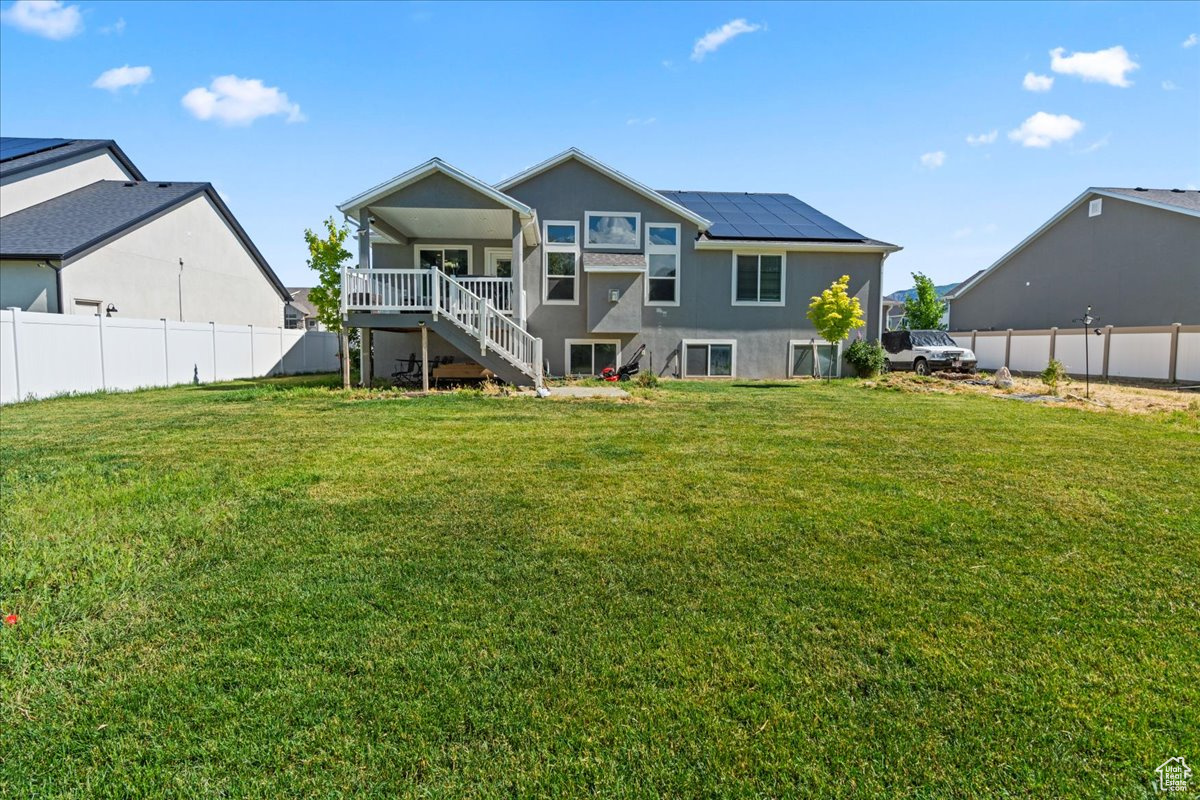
column 448, row 223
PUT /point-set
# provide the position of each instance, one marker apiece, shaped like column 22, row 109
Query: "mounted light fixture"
column 108, row 312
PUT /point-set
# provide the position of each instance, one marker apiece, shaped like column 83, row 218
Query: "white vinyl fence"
column 42, row 355
column 1165, row 353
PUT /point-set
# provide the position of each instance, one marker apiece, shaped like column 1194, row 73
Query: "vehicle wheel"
column 921, row 366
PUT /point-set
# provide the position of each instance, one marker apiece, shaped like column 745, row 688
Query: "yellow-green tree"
column 834, row 313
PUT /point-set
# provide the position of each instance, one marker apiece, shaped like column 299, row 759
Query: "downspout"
column 58, row 290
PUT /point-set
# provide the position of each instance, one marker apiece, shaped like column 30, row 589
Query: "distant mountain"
column 905, row 294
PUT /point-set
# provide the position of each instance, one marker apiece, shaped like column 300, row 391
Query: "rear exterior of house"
column 572, row 266
column 83, row 232
column 1133, row 255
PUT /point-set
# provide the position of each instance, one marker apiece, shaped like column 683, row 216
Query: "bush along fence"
column 1164, row 353
column 42, row 355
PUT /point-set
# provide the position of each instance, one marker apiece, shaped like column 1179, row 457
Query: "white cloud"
column 239, row 101
column 117, row 27
column 1169, row 86
column 118, row 78
column 983, row 138
column 933, row 160
column 641, row 120
column 1191, row 41
column 49, row 18
column 1037, row 83
column 1043, row 130
column 1103, row 66
column 711, row 41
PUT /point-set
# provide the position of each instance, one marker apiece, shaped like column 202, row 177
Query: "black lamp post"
column 1086, row 320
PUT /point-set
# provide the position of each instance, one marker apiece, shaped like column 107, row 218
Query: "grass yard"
column 759, row 590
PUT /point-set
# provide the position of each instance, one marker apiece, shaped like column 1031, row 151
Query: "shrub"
column 1055, row 373
column 867, row 358
column 645, row 380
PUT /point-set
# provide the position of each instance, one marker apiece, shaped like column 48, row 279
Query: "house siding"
column 51, row 180
column 1135, row 265
column 28, row 286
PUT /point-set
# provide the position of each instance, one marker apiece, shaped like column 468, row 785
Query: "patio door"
column 455, row 261
column 499, row 263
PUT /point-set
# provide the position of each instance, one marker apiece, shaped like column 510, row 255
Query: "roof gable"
column 583, row 158
column 30, row 154
column 1153, row 198
column 430, row 167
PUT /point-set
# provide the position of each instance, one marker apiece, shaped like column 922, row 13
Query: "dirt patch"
column 1126, row 398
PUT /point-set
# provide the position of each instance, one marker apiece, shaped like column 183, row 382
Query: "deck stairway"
column 462, row 317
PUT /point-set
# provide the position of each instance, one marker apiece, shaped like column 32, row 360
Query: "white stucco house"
column 82, row 231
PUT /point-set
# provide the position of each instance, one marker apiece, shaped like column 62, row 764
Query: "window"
column 560, row 263
column 709, row 359
column 662, row 261
column 450, row 259
column 293, row 319
column 808, row 357
column 499, row 262
column 591, row 356
column 758, row 279
column 613, row 230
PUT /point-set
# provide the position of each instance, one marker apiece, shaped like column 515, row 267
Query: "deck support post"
column 424, row 357
column 1173, row 364
column 366, row 361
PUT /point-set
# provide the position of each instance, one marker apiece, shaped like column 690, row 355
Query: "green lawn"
column 759, row 590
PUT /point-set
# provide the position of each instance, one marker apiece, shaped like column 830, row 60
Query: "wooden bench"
column 461, row 372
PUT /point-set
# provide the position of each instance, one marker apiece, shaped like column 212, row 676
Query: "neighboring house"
column 894, row 309
column 1133, row 255
column 83, row 232
column 581, row 264
column 300, row 314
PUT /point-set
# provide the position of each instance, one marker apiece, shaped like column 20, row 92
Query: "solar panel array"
column 15, row 147
column 762, row 216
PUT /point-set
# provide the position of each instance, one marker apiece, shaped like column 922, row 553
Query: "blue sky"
column 863, row 110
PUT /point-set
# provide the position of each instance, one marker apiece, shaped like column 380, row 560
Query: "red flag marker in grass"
column 11, row 619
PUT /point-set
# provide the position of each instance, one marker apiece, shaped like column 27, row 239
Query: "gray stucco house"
column 570, row 266
column 1133, row 255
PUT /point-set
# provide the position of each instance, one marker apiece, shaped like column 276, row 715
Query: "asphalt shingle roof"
column 636, row 260
column 65, row 225
column 763, row 216
column 1189, row 199
column 13, row 165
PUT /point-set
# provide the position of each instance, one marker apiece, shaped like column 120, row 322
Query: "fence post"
column 1107, row 342
column 16, row 314
column 973, row 334
column 280, row 370
column 213, row 325
column 1173, row 364
column 103, row 375
column 1053, row 337
column 252, row 372
column 304, row 350
column 1007, row 346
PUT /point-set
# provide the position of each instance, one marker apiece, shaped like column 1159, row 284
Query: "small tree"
column 326, row 256
column 924, row 310
column 835, row 313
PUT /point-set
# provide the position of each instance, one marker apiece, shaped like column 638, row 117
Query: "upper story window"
column 613, row 230
column 662, row 262
column 448, row 258
column 560, row 263
column 758, row 279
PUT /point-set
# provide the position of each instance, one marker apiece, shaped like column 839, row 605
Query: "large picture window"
column 613, row 230
column 560, row 263
column 709, row 359
column 758, row 279
column 662, row 262
column 450, row 259
column 590, row 356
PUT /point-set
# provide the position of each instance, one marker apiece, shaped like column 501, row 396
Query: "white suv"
column 925, row 352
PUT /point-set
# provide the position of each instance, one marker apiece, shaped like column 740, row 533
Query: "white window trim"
column 549, row 247
column 587, row 226
column 489, row 264
column 683, row 373
column 662, row 249
column 567, row 352
column 794, row 343
column 417, row 248
column 782, row 301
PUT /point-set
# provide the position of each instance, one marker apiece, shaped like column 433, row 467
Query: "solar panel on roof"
column 762, row 216
column 15, row 147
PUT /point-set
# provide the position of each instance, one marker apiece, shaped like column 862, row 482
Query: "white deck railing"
column 469, row 303
column 392, row 290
